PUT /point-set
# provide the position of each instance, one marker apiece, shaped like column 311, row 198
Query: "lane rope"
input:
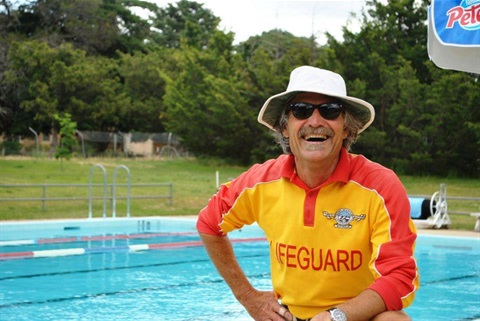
column 105, row 249
column 89, row 238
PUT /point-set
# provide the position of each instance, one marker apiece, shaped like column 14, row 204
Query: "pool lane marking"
column 454, row 278
column 104, row 249
column 114, row 268
column 89, row 238
column 120, row 292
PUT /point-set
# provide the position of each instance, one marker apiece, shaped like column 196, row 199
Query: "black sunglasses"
column 329, row 111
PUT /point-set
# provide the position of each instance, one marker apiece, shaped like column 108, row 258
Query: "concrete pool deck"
column 447, row 232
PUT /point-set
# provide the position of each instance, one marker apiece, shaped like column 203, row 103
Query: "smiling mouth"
column 315, row 138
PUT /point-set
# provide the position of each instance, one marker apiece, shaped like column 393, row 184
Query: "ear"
column 345, row 133
column 345, row 129
column 285, row 131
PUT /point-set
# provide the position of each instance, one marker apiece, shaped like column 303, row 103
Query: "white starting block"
column 438, row 212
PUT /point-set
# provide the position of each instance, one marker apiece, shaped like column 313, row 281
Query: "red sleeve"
column 221, row 203
column 398, row 271
column 210, row 217
column 395, row 238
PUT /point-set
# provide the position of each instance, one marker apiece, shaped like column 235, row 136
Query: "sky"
column 246, row 18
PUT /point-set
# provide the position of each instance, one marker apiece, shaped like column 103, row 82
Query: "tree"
column 67, row 134
column 451, row 138
column 133, row 33
column 55, row 80
column 26, row 86
column 186, row 20
column 96, row 26
column 205, row 107
column 141, row 75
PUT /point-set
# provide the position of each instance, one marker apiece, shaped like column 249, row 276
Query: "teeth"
column 316, row 137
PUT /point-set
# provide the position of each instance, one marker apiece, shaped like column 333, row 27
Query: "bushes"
column 10, row 147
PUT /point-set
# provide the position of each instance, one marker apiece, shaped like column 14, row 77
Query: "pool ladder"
column 114, row 186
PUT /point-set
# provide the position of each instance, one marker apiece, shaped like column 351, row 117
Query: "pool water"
column 449, row 279
column 180, row 283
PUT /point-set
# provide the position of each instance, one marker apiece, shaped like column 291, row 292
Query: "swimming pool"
column 156, row 269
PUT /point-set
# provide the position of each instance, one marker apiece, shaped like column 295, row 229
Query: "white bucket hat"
column 316, row 80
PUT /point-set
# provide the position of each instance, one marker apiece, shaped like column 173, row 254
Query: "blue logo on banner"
column 457, row 22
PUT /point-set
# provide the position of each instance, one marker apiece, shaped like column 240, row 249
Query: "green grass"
column 193, row 183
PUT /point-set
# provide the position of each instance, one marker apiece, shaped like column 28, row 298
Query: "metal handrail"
column 104, row 190
column 114, row 196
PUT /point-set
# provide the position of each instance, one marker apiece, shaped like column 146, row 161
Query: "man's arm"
column 368, row 305
column 261, row 305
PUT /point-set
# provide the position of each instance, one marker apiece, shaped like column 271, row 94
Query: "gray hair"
column 352, row 125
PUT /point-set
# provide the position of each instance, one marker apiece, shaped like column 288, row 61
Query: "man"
column 341, row 238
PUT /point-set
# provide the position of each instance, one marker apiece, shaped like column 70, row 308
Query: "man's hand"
column 263, row 306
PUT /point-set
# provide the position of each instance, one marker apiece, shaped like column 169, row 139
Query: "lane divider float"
column 89, row 238
column 107, row 249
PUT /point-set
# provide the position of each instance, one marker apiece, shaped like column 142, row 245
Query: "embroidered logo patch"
column 344, row 217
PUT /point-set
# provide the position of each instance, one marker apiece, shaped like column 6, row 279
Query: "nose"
column 316, row 119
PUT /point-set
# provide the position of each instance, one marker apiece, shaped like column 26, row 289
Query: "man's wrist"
column 337, row 314
column 243, row 294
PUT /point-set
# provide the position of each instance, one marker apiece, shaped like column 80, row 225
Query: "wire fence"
column 96, row 144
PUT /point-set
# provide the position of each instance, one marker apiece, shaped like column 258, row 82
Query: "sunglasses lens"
column 302, row 110
column 329, row 111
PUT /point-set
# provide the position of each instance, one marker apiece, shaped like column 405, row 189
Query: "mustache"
column 309, row 130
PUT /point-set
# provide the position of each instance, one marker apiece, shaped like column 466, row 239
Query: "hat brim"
column 271, row 111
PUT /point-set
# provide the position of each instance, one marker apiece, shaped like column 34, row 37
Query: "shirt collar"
column 340, row 174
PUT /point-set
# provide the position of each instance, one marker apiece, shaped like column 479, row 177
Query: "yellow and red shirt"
column 329, row 243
